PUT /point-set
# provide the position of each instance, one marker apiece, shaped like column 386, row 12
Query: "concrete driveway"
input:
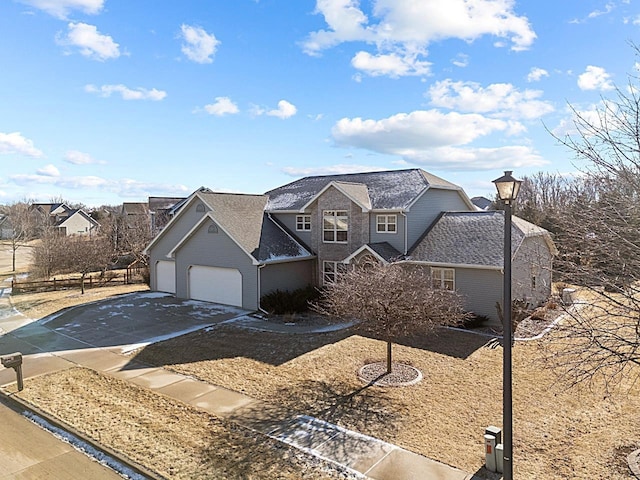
column 119, row 323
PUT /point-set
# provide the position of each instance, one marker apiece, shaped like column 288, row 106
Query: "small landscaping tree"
column 392, row 302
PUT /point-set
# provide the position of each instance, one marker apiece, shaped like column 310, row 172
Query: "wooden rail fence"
column 68, row 283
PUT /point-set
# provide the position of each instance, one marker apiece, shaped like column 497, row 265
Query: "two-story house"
column 233, row 249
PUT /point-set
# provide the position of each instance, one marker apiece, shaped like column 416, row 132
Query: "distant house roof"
column 157, row 204
column 394, row 189
column 135, row 208
column 52, row 208
column 472, row 238
column 482, row 203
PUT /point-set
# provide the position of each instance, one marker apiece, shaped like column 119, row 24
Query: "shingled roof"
column 472, row 238
column 243, row 218
column 393, row 189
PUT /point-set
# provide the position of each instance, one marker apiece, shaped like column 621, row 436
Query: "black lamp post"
column 508, row 188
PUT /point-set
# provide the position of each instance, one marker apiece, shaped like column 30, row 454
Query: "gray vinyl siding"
column 394, row 239
column 286, row 276
column 216, row 250
column 532, row 258
column 481, row 289
column 428, row 207
column 289, row 221
column 169, row 238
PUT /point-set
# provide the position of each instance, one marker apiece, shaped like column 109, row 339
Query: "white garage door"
column 166, row 276
column 216, row 284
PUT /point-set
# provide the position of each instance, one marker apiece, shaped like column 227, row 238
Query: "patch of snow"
column 85, row 448
column 152, row 294
column 127, row 349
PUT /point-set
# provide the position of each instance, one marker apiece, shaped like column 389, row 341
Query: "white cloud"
column 500, row 100
column 62, row 8
column 405, row 28
column 124, row 187
column 461, row 60
column 536, row 74
column 198, row 45
column 16, row 143
column 127, row 93
column 79, row 158
column 90, row 43
column 284, row 110
column 392, row 65
column 222, row 106
column 340, row 169
column 49, row 171
column 595, row 78
column 434, row 138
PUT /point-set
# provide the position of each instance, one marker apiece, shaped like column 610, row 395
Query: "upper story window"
column 335, row 226
column 303, row 222
column 386, row 224
column 443, row 278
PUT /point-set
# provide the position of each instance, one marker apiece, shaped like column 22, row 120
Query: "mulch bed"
column 401, row 375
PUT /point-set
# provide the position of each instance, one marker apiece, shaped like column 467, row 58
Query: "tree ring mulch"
column 401, row 374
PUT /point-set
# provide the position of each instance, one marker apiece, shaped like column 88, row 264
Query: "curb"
column 633, row 459
column 20, row 405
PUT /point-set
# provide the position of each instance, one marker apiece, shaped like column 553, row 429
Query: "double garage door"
column 210, row 284
column 215, row 284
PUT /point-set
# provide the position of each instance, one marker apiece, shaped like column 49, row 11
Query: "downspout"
column 406, row 232
column 260, row 267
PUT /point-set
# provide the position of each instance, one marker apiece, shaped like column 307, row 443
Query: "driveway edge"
column 21, row 405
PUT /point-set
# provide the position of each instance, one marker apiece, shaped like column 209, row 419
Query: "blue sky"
column 105, row 101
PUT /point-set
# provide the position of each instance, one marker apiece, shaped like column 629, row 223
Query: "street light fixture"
column 508, row 189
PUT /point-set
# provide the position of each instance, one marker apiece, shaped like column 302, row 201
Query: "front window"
column 386, row 224
column 443, row 278
column 303, row 222
column 331, row 270
column 335, row 226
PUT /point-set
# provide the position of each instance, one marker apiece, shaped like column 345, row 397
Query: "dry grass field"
column 559, row 433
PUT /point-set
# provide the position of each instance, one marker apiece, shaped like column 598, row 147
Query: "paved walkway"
column 361, row 454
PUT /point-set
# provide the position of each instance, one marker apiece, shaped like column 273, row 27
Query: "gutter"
column 260, row 267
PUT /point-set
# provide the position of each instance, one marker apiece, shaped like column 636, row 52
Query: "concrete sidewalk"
column 29, row 452
column 359, row 453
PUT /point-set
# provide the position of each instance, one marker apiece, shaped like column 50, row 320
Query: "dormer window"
column 335, row 226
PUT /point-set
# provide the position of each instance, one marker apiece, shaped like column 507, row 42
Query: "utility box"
column 500, row 458
column 496, row 432
column 490, row 452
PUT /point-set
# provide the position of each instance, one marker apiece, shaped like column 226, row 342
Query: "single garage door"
column 216, row 284
column 166, row 276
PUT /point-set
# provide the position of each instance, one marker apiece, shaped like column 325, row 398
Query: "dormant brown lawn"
column 559, row 433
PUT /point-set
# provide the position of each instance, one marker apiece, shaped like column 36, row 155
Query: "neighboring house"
column 64, row 219
column 233, row 249
column 161, row 209
column 465, row 252
column 482, row 203
column 6, row 230
column 135, row 214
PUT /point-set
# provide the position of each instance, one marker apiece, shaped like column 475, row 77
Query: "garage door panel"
column 216, row 284
column 166, row 276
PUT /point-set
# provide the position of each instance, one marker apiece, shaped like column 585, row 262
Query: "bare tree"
column 392, row 302
column 86, row 254
column 22, row 227
column 600, row 245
